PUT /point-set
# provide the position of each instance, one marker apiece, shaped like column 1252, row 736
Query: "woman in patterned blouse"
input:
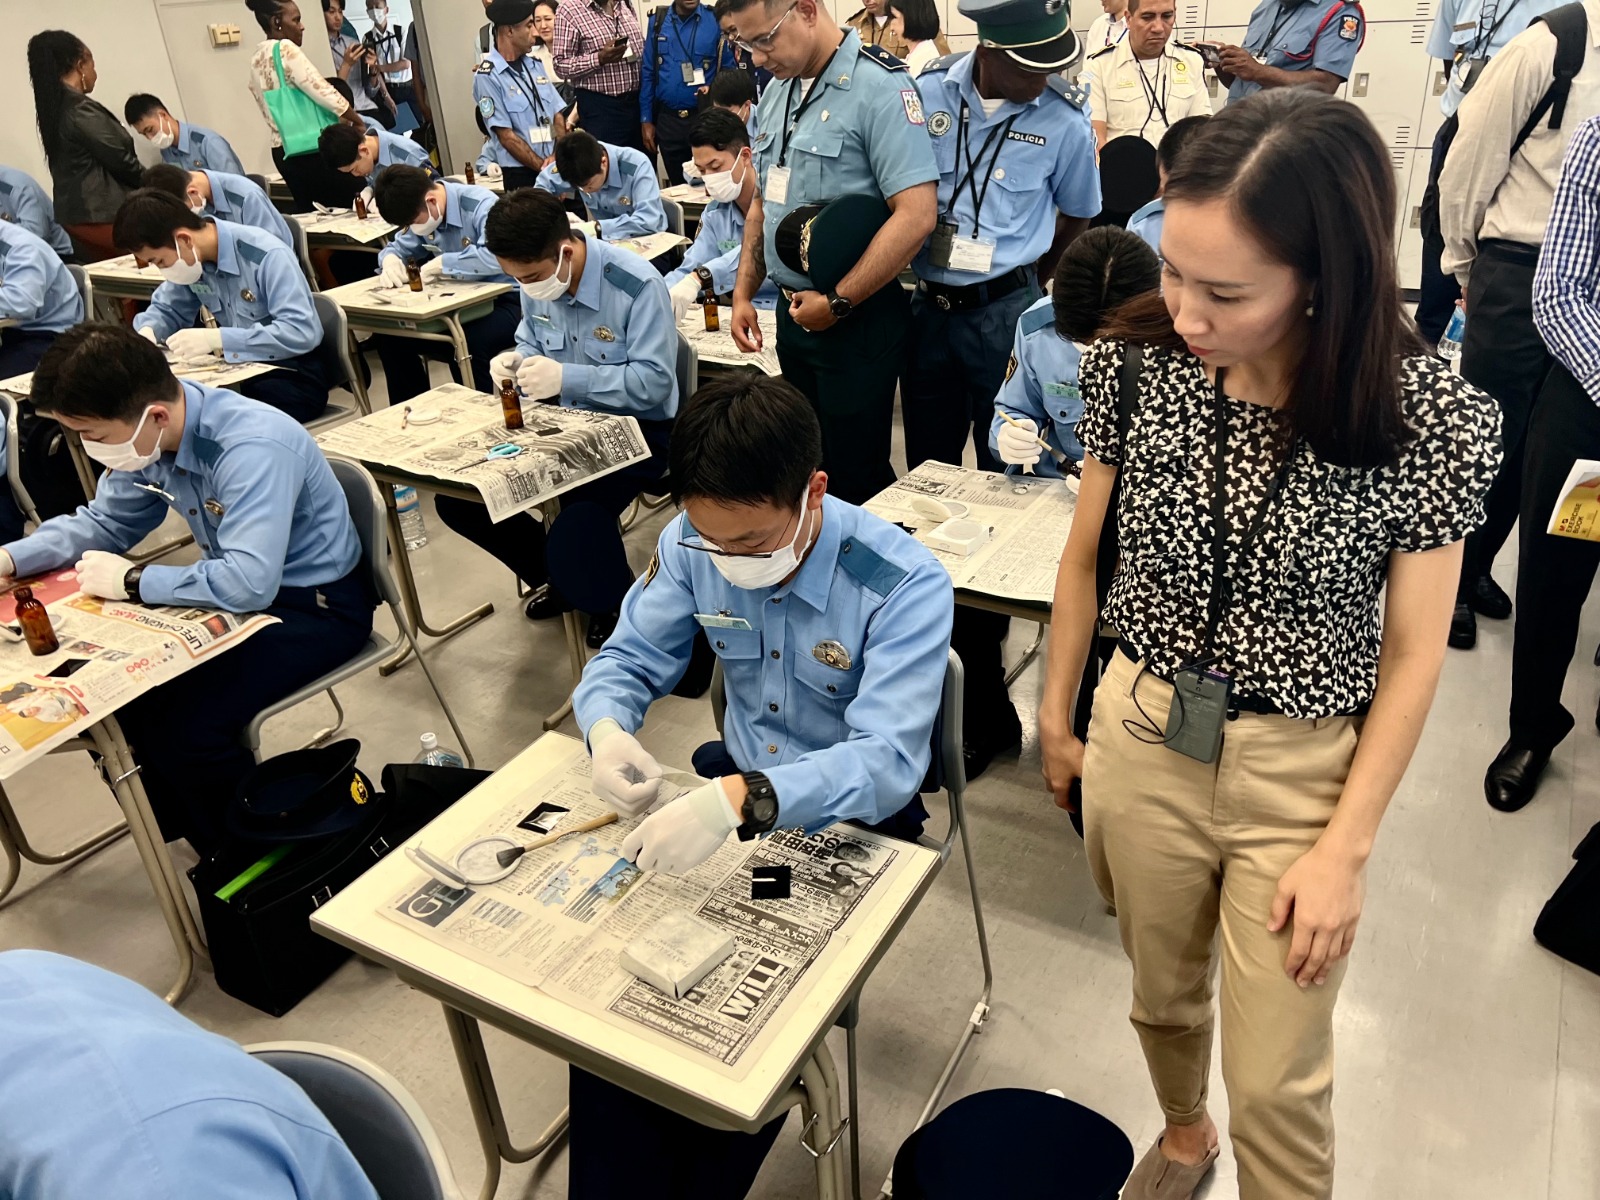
column 1292, row 452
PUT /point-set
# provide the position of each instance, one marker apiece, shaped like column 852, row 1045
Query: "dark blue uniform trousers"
column 297, row 386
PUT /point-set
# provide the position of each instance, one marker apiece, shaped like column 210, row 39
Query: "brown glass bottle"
column 713, row 319
column 471, row 173
column 510, row 404
column 35, row 622
column 361, row 208
column 413, row 277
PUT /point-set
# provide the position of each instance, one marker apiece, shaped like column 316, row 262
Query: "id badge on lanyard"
column 777, row 190
column 948, row 249
column 692, row 76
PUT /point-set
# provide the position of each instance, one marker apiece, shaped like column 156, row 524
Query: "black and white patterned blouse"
column 1302, row 627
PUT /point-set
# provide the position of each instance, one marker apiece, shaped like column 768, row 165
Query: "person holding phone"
column 1293, row 43
column 598, row 45
column 1291, row 466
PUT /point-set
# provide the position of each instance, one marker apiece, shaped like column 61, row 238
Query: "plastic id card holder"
column 539, row 134
column 777, row 185
column 955, row 253
column 1199, row 708
column 692, row 76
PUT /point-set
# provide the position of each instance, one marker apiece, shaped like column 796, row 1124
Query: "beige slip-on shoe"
column 1158, row 1177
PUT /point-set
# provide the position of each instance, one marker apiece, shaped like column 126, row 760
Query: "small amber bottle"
column 35, row 622
column 361, row 208
column 510, row 404
column 713, row 320
column 414, row 277
column 471, row 173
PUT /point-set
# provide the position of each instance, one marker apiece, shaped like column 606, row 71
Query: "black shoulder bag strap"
column 1570, row 24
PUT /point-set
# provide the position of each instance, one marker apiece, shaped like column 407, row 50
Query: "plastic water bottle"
column 409, row 505
column 435, row 755
column 1450, row 343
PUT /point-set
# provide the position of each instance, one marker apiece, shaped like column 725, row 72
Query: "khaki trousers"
column 1183, row 849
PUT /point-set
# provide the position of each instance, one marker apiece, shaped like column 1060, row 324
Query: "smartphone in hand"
column 1210, row 54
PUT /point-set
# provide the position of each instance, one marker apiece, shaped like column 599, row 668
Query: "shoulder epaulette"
column 236, row 199
column 1035, row 319
column 251, row 252
column 617, row 277
column 1075, row 94
column 869, row 568
column 626, row 166
column 1105, row 50
column 484, row 68
column 945, row 63
column 882, row 57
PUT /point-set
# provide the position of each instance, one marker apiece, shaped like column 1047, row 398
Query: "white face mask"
column 754, row 573
column 425, row 227
column 550, row 287
column 380, row 16
column 724, row 186
column 163, row 139
column 196, row 205
column 183, row 271
column 121, row 456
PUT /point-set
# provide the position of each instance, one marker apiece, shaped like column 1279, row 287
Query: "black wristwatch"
column 838, row 305
column 130, row 583
column 760, row 806
column 706, row 283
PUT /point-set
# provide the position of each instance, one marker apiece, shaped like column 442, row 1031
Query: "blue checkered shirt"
column 1566, row 288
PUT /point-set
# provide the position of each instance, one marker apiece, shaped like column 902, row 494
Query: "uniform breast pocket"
column 550, row 341
column 1020, row 175
column 250, row 311
column 827, row 692
column 598, row 350
column 815, row 158
column 735, row 645
column 1063, row 403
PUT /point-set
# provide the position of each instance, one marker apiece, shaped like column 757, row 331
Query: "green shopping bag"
column 299, row 118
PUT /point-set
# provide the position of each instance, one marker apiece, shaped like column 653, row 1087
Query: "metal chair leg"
column 322, row 735
column 1027, row 656
column 15, row 846
column 632, row 515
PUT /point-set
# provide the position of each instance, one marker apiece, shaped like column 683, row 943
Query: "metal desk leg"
column 458, row 335
column 409, row 599
column 493, row 1134
column 575, row 655
column 129, row 791
column 14, row 845
column 823, row 1130
column 80, row 460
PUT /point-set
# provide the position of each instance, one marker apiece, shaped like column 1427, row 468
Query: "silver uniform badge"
column 215, row 509
column 604, row 333
column 833, row 654
column 247, row 296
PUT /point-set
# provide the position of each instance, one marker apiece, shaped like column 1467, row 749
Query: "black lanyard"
column 677, row 33
column 1158, row 103
column 1285, row 15
column 527, row 85
column 792, row 115
column 1481, row 40
column 997, row 138
column 1221, row 587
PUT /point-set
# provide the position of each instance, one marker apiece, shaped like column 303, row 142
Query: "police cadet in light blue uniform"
column 1147, row 220
column 273, row 532
column 616, row 183
column 1041, row 386
column 23, row 202
column 681, row 44
column 249, row 281
column 38, row 293
column 516, row 98
column 441, row 229
column 197, row 147
column 711, row 265
column 832, row 628
column 1293, row 43
column 218, row 194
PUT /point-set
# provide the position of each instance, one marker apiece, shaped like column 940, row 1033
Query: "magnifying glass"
column 475, row 864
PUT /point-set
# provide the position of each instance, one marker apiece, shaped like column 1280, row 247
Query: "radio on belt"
column 957, row 536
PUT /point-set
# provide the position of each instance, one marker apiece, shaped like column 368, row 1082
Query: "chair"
column 674, row 212
column 371, row 520
column 19, row 491
column 655, row 496
column 302, row 253
column 260, row 181
column 85, row 289
column 337, row 362
column 380, row 1121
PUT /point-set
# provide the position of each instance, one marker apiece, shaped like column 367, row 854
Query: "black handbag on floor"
column 1569, row 924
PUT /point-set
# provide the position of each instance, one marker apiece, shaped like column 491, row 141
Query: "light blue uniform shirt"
column 521, row 100
column 237, row 199
column 110, row 1092
column 197, row 148
column 1146, row 223
column 392, row 149
column 874, row 140
column 23, row 202
column 36, row 290
column 1042, row 386
column 616, row 339
column 837, row 744
column 717, row 247
column 1042, row 161
column 254, row 489
column 1316, row 35
column 256, row 291
column 1490, row 24
column 458, row 242
column 628, row 204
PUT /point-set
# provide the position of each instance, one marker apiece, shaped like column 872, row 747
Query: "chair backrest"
column 674, row 212
column 370, row 515
column 302, row 252
column 380, row 1121
column 19, row 492
column 335, row 348
column 260, row 181
column 688, row 370
column 85, row 289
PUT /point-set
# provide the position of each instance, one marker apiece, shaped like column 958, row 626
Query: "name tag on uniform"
column 777, row 186
column 693, row 76
column 955, row 253
column 538, row 133
column 722, row 621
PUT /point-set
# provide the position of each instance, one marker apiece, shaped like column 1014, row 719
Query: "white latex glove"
column 100, row 573
column 394, row 272
column 432, row 270
column 492, row 171
column 1017, row 447
column 8, row 567
column 684, row 834
column 195, row 343
column 539, row 377
column 684, row 293
column 504, row 366
column 691, row 173
column 626, row 775
column 574, row 220
column 148, row 333
column 369, row 200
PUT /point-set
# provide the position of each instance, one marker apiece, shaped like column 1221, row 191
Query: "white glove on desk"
column 100, row 573
column 504, row 366
column 1017, row 447
column 684, row 293
column 394, row 272
column 539, row 377
column 626, row 775
column 683, row 834
column 8, row 568
column 195, row 343
column 148, row 333
column 432, row 270
column 367, row 198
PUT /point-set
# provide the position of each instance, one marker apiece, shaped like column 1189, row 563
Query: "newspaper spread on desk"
column 210, row 370
column 717, row 346
column 650, row 245
column 1028, row 519
column 111, row 651
column 560, row 920
column 341, row 222
column 125, row 267
column 561, row 447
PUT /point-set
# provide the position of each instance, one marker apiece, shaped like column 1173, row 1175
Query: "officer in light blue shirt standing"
column 617, row 184
column 38, row 293
column 681, row 43
column 516, row 99
column 23, row 202
column 832, row 627
column 217, row 194
column 192, row 147
column 597, row 334
column 272, row 528
column 176, row 1111
column 1294, row 43
column 250, row 283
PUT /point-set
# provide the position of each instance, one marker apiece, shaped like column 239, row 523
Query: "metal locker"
column 1390, row 79
column 1410, row 239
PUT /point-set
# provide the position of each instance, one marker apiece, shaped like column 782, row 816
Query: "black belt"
column 1517, row 252
column 975, row 295
column 683, row 114
column 1236, row 703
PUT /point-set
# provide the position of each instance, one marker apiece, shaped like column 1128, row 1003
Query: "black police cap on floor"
column 824, row 241
column 302, row 794
column 509, row 12
column 1129, row 177
column 1014, row 1142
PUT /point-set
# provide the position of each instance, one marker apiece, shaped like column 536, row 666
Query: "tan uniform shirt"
column 877, row 33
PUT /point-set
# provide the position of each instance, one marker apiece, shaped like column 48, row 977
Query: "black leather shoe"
column 980, row 747
column 545, row 603
column 601, row 626
column 1489, row 599
column 1514, row 776
column 1463, row 627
